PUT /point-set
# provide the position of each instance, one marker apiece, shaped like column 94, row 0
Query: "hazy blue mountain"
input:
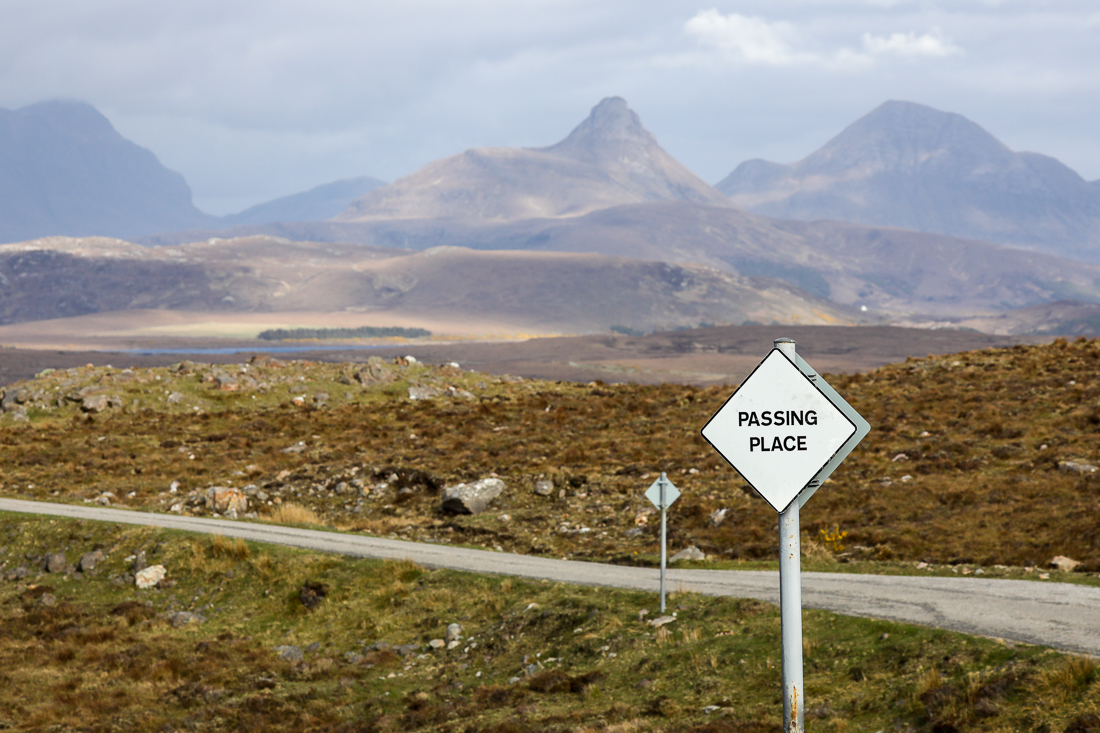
column 64, row 170
column 316, row 204
column 911, row 166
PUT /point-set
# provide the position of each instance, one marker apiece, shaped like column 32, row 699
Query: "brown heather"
column 984, row 434
column 962, row 465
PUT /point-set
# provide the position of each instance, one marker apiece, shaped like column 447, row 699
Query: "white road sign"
column 785, row 430
column 653, row 493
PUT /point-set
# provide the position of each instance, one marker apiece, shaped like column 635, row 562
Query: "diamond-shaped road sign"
column 653, row 493
column 785, row 430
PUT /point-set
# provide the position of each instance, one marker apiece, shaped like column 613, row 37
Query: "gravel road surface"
column 1053, row 614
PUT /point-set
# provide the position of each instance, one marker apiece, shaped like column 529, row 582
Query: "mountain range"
column 907, row 165
column 607, row 189
column 65, row 170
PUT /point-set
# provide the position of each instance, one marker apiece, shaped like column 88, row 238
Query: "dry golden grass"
column 292, row 514
column 234, row 548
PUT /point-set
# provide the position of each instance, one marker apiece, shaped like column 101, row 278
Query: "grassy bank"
column 227, row 643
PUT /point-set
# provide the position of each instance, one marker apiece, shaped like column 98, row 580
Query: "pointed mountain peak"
column 607, row 160
column 609, row 129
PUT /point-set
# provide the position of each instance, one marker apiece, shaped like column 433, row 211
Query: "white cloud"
column 753, row 39
column 909, row 44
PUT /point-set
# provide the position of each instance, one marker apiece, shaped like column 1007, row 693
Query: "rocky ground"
column 964, row 450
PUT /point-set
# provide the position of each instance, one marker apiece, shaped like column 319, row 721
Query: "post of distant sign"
column 785, row 430
column 662, row 493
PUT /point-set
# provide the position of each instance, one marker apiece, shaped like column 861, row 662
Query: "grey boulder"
column 472, row 498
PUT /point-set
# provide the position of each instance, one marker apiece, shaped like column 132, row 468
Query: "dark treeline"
column 277, row 334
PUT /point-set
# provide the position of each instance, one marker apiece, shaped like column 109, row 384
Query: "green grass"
column 91, row 653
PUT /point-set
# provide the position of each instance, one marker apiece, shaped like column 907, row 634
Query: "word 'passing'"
column 779, row 418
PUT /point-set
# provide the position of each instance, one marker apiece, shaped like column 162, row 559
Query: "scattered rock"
column 472, row 498
column 1075, row 467
column 89, row 560
column 179, row 619
column 718, row 516
column 106, row 498
column 54, row 563
column 662, row 620
column 899, row 457
column 226, row 500
column 175, row 398
column 417, row 392
column 47, row 599
column 139, row 563
column 94, row 403
column 312, row 593
column 454, row 633
column 688, row 553
column 18, row 573
column 149, row 577
column 290, row 653
column 376, row 373
column 544, row 487
column 437, row 644
column 1063, row 563
column 353, row 657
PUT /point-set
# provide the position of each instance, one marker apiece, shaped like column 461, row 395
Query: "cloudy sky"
column 253, row 99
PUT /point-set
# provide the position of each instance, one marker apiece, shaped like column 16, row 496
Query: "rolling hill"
column 536, row 292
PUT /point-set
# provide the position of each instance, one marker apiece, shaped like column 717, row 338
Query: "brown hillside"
column 536, row 292
column 978, row 459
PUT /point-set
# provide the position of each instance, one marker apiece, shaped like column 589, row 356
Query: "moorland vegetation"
column 977, row 462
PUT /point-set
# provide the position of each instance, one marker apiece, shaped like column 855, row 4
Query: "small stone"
column 544, row 487
column 688, row 553
column 353, row 657
column 454, row 632
column 899, row 457
column 1076, row 467
column 138, row 563
column 179, row 619
column 55, row 563
column 89, row 560
column 226, row 500
column 662, row 620
column 1063, row 563
column 437, row 644
column 149, row 577
column 472, row 498
column 717, row 517
column 47, row 599
column 423, row 393
column 94, row 403
column 290, row 653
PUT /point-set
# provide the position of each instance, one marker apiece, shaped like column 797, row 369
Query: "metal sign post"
column 786, row 430
column 662, row 493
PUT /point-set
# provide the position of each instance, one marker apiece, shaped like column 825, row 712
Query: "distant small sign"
column 653, row 493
